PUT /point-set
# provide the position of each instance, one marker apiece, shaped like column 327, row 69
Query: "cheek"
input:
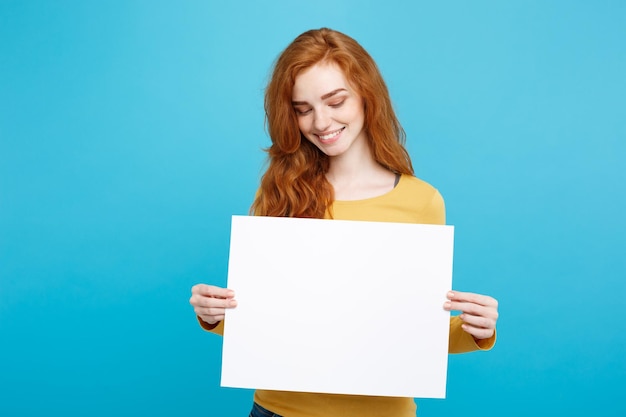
column 353, row 114
column 303, row 125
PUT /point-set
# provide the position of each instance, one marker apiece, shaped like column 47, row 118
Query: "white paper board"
column 332, row 306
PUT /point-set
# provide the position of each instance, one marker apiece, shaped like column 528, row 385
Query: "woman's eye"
column 302, row 112
column 337, row 104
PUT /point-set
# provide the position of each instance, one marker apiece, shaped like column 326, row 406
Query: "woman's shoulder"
column 421, row 198
column 413, row 185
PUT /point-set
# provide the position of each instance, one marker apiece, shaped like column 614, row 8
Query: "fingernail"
column 447, row 305
column 450, row 294
column 231, row 294
column 233, row 303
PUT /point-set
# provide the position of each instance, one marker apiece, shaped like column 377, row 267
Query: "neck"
column 357, row 163
column 356, row 175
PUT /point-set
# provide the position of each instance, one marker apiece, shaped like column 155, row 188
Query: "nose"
column 322, row 120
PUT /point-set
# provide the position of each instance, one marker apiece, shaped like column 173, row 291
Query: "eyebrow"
column 324, row 97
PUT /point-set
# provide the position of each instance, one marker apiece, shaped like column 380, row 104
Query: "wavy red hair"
column 295, row 184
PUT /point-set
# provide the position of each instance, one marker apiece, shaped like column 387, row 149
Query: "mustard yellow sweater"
column 411, row 201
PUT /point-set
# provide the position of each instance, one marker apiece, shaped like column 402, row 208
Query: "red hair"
column 295, row 184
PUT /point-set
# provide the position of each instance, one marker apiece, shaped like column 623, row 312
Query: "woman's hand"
column 210, row 302
column 479, row 313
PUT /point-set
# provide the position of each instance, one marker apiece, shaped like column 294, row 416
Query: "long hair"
column 295, row 184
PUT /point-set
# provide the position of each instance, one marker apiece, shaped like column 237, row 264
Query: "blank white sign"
column 343, row 307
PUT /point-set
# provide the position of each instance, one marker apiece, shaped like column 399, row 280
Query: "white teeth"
column 330, row 135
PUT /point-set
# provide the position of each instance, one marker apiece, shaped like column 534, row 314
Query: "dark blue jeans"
column 258, row 411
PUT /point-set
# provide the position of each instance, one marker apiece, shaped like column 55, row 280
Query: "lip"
column 336, row 134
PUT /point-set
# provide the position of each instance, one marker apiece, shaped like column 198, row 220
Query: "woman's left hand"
column 479, row 313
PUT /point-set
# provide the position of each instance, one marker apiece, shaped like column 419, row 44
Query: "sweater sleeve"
column 217, row 328
column 461, row 342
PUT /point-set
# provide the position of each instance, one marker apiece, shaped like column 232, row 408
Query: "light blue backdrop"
column 131, row 131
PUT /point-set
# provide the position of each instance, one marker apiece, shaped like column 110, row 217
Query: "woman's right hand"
column 210, row 302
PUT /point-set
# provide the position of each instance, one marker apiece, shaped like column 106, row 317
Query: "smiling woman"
column 332, row 121
column 338, row 153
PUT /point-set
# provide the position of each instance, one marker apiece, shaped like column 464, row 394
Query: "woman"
column 337, row 152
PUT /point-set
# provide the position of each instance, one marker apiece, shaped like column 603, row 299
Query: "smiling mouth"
column 331, row 135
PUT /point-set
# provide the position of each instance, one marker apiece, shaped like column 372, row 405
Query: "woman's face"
column 330, row 113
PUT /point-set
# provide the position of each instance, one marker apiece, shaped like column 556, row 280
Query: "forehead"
column 318, row 80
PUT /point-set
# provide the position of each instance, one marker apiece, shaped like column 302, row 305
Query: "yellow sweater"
column 411, row 201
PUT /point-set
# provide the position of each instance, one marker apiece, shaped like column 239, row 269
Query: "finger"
column 212, row 291
column 477, row 332
column 202, row 301
column 210, row 312
column 478, row 321
column 470, row 297
column 471, row 308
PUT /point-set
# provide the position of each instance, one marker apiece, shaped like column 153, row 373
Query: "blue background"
column 130, row 132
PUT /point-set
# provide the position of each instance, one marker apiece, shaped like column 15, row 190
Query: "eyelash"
column 333, row 105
